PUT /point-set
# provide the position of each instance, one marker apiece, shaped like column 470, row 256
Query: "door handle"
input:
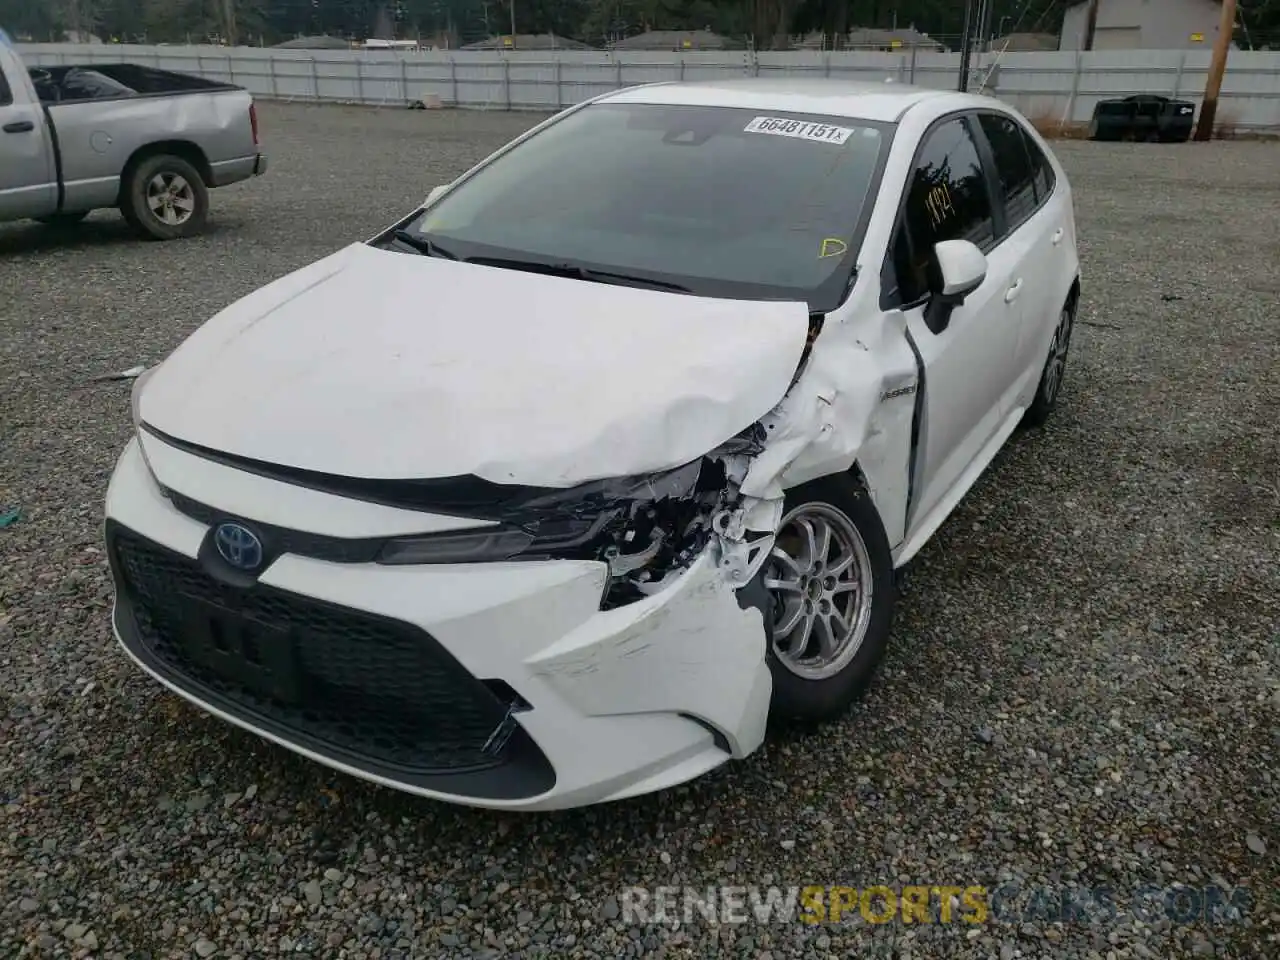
column 1011, row 294
column 19, row 126
column 1058, row 235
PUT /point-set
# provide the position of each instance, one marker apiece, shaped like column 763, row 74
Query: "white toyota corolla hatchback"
column 552, row 493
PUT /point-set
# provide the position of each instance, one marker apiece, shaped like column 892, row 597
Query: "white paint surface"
column 377, row 364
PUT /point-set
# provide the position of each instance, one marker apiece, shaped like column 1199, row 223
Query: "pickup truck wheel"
column 830, row 579
column 63, row 219
column 1055, row 366
column 165, row 199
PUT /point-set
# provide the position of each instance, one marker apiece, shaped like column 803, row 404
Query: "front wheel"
column 830, row 580
column 165, row 199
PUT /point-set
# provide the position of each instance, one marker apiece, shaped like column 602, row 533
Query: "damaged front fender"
column 851, row 404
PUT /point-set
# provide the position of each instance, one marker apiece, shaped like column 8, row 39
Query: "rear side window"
column 1014, row 168
column 1044, row 179
column 947, row 199
column 6, row 95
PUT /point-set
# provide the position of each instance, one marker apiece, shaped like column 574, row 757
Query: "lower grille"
column 377, row 694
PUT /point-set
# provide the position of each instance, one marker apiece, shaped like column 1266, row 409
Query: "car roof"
column 883, row 102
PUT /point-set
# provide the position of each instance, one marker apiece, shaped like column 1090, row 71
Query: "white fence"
column 1052, row 86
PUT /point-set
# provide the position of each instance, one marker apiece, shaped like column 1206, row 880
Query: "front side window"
column 749, row 204
column 1013, row 166
column 946, row 199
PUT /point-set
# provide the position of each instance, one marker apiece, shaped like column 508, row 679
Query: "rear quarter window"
column 1044, row 178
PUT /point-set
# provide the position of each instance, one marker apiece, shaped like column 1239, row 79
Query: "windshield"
column 721, row 202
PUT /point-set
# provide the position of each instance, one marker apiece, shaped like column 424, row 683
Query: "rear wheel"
column 830, row 579
column 1055, row 366
column 165, row 199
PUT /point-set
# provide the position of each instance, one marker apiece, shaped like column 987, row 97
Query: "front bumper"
column 403, row 675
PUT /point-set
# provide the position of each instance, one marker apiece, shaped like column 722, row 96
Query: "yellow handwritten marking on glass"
column 938, row 204
column 832, row 247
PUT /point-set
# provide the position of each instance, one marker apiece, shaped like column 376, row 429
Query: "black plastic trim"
column 57, row 156
column 468, row 498
column 280, row 540
column 917, row 421
column 521, row 771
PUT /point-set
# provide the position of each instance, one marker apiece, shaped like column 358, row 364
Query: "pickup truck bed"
column 150, row 142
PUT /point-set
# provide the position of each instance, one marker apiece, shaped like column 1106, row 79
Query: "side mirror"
column 435, row 194
column 960, row 269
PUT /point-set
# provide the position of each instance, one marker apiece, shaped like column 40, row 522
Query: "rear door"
column 28, row 187
column 1035, row 231
column 969, row 364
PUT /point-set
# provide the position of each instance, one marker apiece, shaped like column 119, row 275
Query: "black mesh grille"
column 373, row 689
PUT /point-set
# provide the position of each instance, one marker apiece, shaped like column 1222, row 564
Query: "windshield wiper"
column 575, row 272
column 423, row 244
column 629, row 280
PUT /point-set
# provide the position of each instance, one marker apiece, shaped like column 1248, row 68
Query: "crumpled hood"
column 382, row 365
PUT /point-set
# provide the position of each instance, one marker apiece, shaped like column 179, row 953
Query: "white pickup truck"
column 146, row 141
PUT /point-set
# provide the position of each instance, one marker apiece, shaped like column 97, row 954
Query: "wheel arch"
column 183, row 149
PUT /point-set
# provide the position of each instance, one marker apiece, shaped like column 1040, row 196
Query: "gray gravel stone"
column 312, row 891
column 1081, row 685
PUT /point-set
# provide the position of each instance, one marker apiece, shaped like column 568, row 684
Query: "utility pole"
column 1217, row 67
column 966, row 46
column 1090, row 24
column 988, row 11
column 513, row 24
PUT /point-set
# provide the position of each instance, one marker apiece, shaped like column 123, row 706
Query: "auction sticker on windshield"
column 800, row 129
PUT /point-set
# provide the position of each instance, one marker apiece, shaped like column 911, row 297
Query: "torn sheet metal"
column 853, row 402
column 690, row 649
column 381, row 365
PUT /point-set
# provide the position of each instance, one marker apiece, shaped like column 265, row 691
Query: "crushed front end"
column 570, row 647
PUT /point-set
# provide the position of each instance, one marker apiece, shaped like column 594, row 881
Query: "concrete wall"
column 1049, row 86
column 1144, row 25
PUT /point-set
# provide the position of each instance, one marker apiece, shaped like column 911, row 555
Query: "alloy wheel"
column 819, row 576
column 171, row 199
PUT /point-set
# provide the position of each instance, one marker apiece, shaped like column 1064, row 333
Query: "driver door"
column 969, row 364
column 28, row 187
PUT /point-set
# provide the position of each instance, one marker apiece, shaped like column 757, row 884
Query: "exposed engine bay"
column 646, row 529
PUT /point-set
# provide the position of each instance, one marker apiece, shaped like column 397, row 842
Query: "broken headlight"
column 642, row 527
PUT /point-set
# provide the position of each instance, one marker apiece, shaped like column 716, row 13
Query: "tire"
column 63, row 219
column 806, row 684
column 164, row 198
column 1050, row 386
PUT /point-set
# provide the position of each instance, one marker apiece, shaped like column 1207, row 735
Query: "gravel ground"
column 1083, row 688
